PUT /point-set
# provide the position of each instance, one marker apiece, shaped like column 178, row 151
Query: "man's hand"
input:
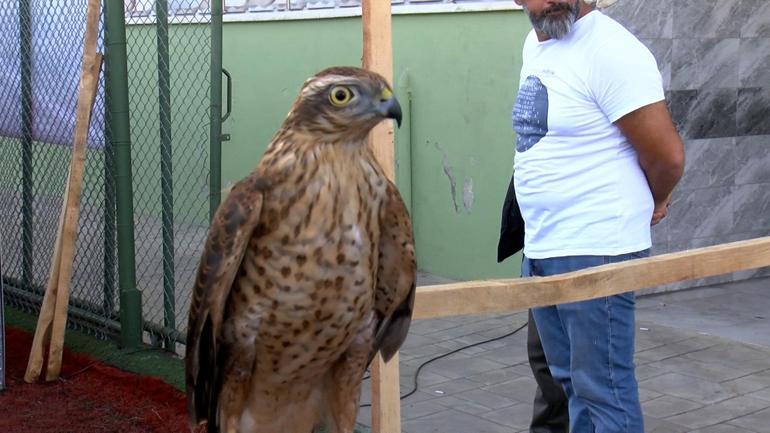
column 660, row 211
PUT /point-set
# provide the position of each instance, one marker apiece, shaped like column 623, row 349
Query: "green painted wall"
column 462, row 70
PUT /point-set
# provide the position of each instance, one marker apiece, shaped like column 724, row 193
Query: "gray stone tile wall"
column 714, row 56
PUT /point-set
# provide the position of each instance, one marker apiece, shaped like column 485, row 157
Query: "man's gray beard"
column 555, row 28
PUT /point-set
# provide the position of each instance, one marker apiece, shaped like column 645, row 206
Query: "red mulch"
column 99, row 399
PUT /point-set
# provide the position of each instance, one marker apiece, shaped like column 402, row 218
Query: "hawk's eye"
column 340, row 96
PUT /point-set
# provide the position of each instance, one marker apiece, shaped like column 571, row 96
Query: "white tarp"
column 56, row 40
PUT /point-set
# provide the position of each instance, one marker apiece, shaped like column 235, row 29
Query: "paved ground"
column 703, row 364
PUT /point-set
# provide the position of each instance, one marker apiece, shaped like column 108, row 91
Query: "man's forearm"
column 662, row 178
column 660, row 149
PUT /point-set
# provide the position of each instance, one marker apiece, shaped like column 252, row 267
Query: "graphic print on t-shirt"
column 530, row 113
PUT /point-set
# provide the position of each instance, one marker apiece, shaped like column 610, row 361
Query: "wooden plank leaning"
column 68, row 247
column 53, row 314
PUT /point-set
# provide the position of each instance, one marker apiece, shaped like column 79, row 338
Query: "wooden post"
column 378, row 57
column 386, row 395
column 53, row 314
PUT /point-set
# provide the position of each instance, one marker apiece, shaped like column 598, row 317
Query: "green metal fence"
column 151, row 165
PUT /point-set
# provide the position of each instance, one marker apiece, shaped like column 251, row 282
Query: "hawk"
column 307, row 272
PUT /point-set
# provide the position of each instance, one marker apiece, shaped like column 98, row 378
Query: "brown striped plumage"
column 307, row 272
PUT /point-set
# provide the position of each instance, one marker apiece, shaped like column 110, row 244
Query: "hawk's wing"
column 229, row 234
column 396, row 276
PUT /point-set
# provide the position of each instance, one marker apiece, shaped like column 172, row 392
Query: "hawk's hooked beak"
column 389, row 107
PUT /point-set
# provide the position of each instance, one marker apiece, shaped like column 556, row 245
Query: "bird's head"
column 343, row 104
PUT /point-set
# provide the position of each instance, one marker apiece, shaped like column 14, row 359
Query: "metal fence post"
column 109, row 201
column 130, row 297
column 27, row 197
column 166, row 170
column 215, row 131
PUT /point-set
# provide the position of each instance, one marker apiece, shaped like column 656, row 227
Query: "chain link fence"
column 170, row 142
column 169, row 53
column 41, row 50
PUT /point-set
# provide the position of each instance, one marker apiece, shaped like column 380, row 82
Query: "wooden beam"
column 378, row 57
column 497, row 296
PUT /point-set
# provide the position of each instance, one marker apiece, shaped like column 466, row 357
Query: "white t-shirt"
column 578, row 182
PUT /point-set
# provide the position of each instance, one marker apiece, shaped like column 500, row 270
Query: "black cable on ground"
column 417, row 373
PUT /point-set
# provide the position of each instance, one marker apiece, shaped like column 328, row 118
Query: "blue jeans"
column 589, row 346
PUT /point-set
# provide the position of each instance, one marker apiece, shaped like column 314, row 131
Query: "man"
column 597, row 159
